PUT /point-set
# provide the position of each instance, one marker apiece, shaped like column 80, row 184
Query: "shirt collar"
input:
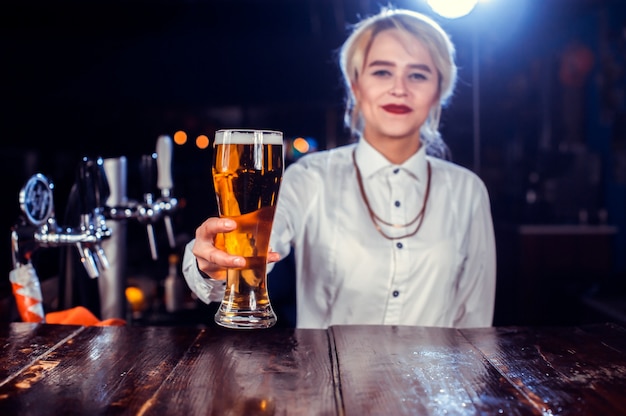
column 370, row 161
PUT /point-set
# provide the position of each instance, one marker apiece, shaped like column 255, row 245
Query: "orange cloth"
column 29, row 308
column 80, row 315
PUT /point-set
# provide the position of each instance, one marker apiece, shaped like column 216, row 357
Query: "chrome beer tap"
column 151, row 209
column 93, row 191
column 42, row 230
column 149, row 212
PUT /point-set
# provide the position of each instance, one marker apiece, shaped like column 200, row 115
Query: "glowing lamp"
column 452, row 9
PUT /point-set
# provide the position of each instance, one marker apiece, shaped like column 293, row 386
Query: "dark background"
column 539, row 114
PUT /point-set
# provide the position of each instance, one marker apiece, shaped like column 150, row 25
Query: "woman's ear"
column 354, row 87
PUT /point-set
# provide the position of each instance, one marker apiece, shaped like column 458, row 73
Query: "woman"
column 384, row 232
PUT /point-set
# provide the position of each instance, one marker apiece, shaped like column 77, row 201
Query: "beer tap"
column 37, row 204
column 151, row 209
column 95, row 210
column 165, row 184
column 93, row 190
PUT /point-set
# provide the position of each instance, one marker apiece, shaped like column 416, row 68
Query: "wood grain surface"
column 345, row 370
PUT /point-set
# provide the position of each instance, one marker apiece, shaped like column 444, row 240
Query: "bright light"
column 452, row 9
column 136, row 298
column 202, row 141
column 301, row 145
column 180, row 137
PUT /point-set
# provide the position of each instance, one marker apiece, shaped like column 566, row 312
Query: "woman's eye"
column 417, row 76
column 381, row 73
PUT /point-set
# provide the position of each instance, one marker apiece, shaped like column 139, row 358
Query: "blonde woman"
column 385, row 230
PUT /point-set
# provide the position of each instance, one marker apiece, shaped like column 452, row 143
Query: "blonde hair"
column 414, row 26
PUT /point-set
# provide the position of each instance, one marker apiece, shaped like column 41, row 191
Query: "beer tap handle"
column 92, row 190
column 147, row 176
column 152, row 241
column 101, row 193
column 164, row 180
column 86, row 187
column 101, row 182
column 169, row 229
column 164, row 165
column 86, row 258
column 101, row 257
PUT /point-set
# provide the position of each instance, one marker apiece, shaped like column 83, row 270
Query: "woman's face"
column 396, row 87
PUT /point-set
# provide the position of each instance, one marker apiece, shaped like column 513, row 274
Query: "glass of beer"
column 247, row 171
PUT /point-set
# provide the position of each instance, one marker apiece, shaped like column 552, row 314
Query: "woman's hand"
column 212, row 260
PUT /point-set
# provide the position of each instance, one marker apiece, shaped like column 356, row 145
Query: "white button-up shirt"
column 348, row 273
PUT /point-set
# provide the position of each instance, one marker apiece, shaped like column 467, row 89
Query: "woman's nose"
column 398, row 88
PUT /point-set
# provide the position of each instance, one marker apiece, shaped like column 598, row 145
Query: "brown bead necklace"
column 376, row 219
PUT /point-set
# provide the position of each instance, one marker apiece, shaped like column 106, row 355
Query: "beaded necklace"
column 376, row 220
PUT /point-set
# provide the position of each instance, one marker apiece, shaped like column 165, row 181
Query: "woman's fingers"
column 209, row 248
column 213, row 260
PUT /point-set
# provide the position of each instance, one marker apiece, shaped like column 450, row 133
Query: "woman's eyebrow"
column 381, row 63
column 422, row 67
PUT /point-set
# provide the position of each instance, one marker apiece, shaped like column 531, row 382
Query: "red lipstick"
column 397, row 108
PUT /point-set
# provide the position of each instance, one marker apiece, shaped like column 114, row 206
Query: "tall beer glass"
column 247, row 171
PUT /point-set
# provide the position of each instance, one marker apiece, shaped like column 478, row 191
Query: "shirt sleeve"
column 295, row 200
column 208, row 290
column 477, row 285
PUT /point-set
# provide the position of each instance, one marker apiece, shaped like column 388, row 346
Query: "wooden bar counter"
column 345, row 370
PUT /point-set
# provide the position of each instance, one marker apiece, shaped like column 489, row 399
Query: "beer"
column 247, row 172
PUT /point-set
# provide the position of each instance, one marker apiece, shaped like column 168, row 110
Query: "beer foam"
column 247, row 136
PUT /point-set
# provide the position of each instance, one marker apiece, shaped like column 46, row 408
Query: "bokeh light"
column 180, row 137
column 202, row 141
column 301, row 145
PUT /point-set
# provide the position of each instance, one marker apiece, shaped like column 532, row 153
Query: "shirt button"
column 397, row 203
column 396, row 170
column 399, row 245
column 395, row 293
